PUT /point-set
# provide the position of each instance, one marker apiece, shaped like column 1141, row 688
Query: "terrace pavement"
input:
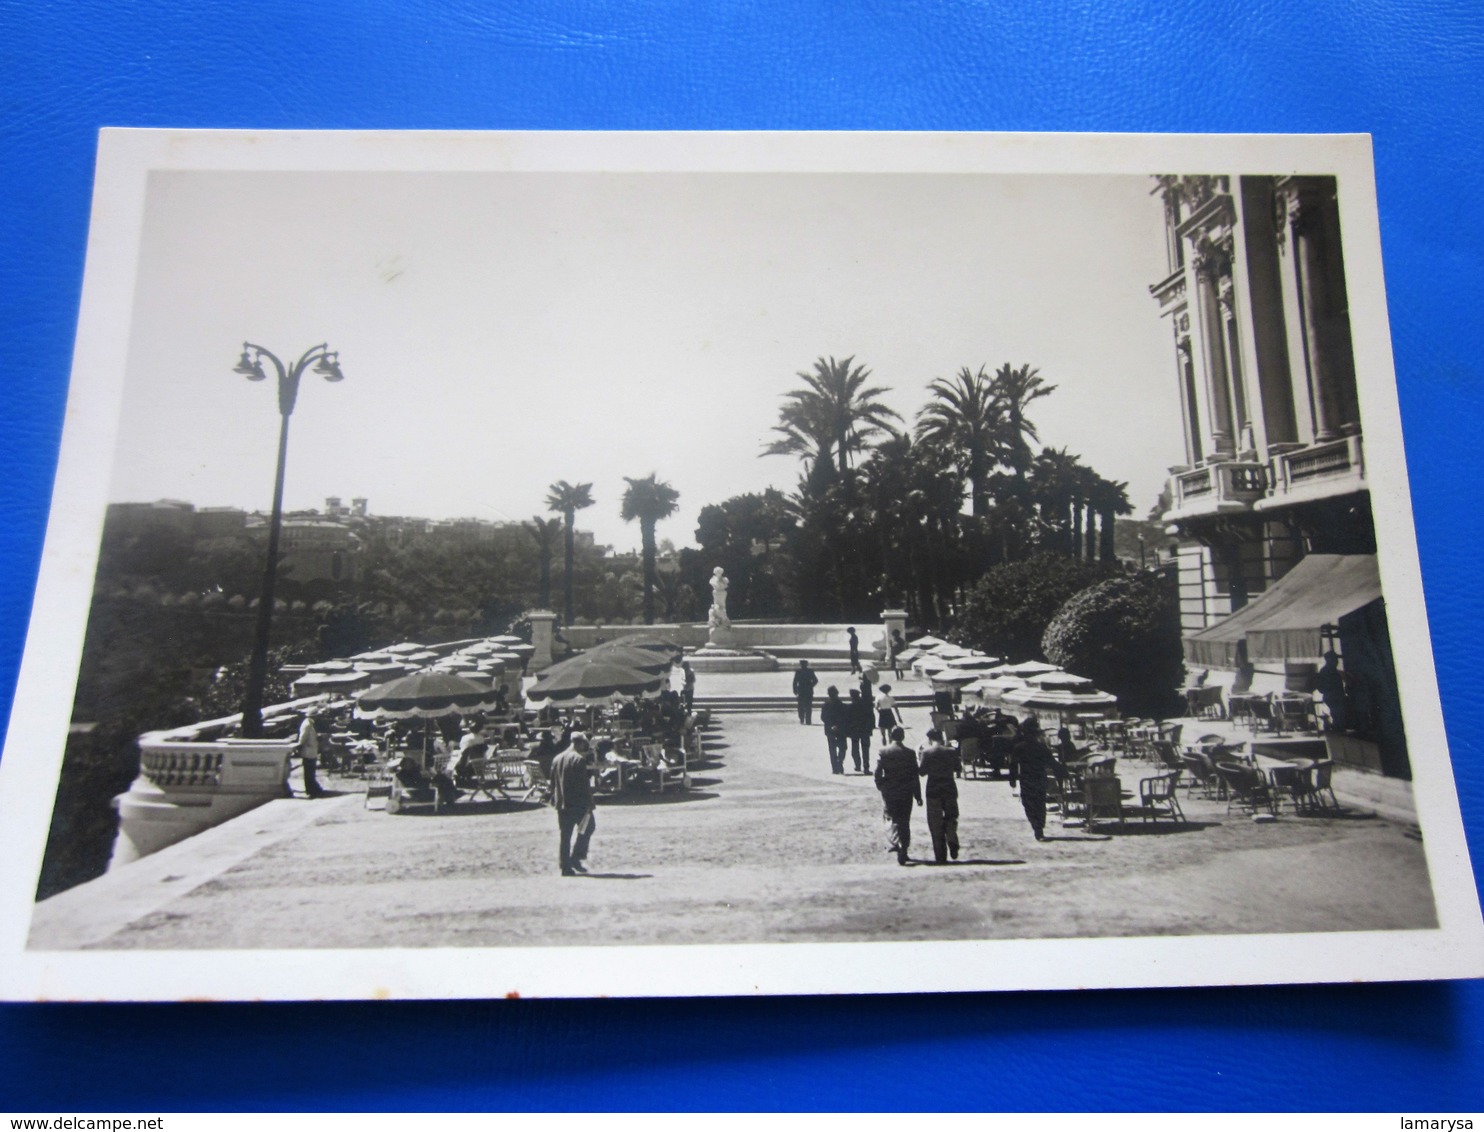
column 768, row 846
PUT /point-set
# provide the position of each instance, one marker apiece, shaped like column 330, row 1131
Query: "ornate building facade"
column 1271, row 505
column 1274, row 460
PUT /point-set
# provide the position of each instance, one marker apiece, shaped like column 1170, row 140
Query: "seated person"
column 614, row 770
column 410, row 783
column 465, row 763
column 549, row 747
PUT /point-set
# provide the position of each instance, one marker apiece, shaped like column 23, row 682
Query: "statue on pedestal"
column 718, row 618
column 718, row 621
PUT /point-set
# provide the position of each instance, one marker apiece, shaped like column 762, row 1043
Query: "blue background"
column 1410, row 74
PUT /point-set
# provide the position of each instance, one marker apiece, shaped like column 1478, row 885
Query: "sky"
column 501, row 331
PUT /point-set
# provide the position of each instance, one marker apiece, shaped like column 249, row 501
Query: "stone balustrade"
column 1319, row 470
column 1216, row 488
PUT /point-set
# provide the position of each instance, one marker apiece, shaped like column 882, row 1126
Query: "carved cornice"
column 1299, row 203
column 1170, row 291
column 1213, row 255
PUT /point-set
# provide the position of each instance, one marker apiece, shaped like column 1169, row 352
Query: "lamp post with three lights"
column 327, row 364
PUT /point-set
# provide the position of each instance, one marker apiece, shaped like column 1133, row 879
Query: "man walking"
column 896, row 779
column 1032, row 763
column 862, row 724
column 804, row 682
column 855, row 650
column 939, row 764
column 572, row 795
column 688, row 688
column 835, row 715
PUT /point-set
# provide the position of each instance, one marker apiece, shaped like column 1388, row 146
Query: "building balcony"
column 1219, row 488
column 1317, row 471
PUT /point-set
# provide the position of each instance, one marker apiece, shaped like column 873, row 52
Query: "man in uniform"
column 572, row 795
column 939, row 764
column 896, row 779
column 688, row 688
column 804, row 682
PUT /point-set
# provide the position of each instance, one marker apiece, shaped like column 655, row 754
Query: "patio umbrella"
column 1025, row 668
column 404, row 647
column 596, row 681
column 972, row 663
column 425, row 695
column 950, row 678
column 647, row 660
column 928, row 642
column 330, row 666
column 652, row 641
column 507, row 639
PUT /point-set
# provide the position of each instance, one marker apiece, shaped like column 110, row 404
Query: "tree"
column 1109, row 499
column 746, row 536
column 544, row 532
column 1124, row 636
column 1007, row 610
column 830, row 418
column 1057, row 482
column 1015, row 390
column 648, row 500
column 968, row 419
column 567, row 499
column 914, row 493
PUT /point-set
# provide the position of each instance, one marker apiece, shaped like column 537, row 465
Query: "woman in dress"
column 887, row 715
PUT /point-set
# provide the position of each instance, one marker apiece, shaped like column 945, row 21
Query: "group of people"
column 929, row 779
column 849, row 723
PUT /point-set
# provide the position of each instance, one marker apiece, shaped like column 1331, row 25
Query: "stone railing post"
column 542, row 622
column 895, row 620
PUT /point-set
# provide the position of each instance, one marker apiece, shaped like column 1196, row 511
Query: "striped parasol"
column 596, row 681
column 425, row 695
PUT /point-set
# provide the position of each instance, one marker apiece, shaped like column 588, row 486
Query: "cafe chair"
column 377, row 780
column 1200, row 772
column 971, row 755
column 1246, row 788
column 1167, row 756
column 1290, row 783
column 1157, row 797
column 1321, row 776
column 540, row 785
column 1102, row 794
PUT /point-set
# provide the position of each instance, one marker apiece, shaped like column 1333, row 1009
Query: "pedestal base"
column 715, row 658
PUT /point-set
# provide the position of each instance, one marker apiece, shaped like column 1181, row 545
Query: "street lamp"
column 327, row 365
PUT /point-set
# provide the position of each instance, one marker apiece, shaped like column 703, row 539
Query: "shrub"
column 1007, row 611
column 1124, row 635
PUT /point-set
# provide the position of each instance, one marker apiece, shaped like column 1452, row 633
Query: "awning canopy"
column 1284, row 622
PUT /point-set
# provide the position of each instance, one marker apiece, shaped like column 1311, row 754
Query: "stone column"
column 1209, row 264
column 1314, row 304
column 542, row 622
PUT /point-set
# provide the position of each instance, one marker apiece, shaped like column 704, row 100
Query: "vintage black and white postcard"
column 673, row 564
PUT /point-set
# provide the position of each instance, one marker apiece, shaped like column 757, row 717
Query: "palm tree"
column 649, row 501
column 831, row 417
column 567, row 499
column 966, row 417
column 544, row 531
column 1109, row 498
column 1055, row 482
column 1015, row 390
